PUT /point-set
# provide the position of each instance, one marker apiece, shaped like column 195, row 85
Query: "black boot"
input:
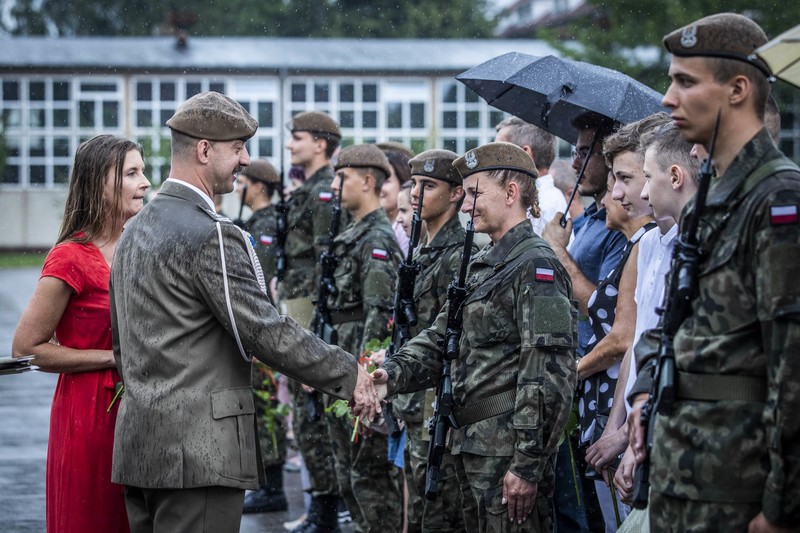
column 323, row 516
column 270, row 498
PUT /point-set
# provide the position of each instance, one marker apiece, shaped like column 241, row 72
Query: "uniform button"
column 337, row 388
column 241, row 406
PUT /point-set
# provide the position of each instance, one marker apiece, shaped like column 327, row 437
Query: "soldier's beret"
column 394, row 146
column 261, row 170
column 314, row 122
column 437, row 164
column 363, row 156
column 213, row 116
column 724, row 35
column 495, row 156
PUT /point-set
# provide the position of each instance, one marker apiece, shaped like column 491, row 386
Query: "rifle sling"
column 486, row 408
column 348, row 315
column 717, row 387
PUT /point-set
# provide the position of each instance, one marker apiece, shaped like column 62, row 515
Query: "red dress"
column 80, row 495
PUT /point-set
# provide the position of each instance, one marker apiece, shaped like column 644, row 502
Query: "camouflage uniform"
column 308, row 220
column 263, row 227
column 368, row 256
column 719, row 462
column 519, row 336
column 439, row 260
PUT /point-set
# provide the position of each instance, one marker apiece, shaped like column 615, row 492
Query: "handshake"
column 370, row 390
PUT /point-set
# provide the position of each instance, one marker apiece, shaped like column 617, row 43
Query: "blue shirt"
column 596, row 250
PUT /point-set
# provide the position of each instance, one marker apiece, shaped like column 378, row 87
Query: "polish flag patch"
column 782, row 214
column 545, row 274
column 266, row 240
column 379, row 253
column 325, row 196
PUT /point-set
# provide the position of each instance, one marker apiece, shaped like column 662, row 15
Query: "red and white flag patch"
column 325, row 196
column 782, row 214
column 379, row 253
column 266, row 240
column 545, row 274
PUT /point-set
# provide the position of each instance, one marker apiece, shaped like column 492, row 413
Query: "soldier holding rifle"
column 514, row 369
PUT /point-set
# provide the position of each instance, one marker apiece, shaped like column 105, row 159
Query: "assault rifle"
column 404, row 315
column 323, row 323
column 681, row 290
column 442, row 419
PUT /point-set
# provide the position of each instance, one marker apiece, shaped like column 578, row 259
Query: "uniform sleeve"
column 547, row 321
column 777, row 268
column 276, row 340
column 379, row 262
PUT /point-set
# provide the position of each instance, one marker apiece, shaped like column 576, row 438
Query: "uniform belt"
column 486, row 408
column 349, row 315
column 715, row 387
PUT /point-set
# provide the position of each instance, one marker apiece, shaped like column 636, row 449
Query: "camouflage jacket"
column 309, row 220
column 439, row 260
column 745, row 321
column 368, row 256
column 261, row 225
column 519, row 334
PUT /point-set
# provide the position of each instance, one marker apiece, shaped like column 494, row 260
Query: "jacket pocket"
column 233, row 410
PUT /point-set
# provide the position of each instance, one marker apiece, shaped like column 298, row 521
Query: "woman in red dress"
column 67, row 326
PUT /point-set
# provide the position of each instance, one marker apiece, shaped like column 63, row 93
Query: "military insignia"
column 689, row 36
column 379, row 253
column 780, row 215
column 325, row 197
column 429, row 165
column 547, row 275
column 471, row 160
column 266, row 240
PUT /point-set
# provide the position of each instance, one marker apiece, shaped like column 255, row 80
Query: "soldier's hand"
column 365, row 402
column 520, row 495
column 381, row 379
column 623, row 479
column 555, row 235
column 760, row 524
column 636, row 436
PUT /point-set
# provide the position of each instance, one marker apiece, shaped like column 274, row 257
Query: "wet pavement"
column 24, row 418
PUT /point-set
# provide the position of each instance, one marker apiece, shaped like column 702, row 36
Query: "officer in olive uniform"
column 366, row 274
column 727, row 458
column 315, row 138
column 514, row 379
column 439, row 257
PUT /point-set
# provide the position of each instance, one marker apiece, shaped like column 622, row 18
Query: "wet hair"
column 725, row 70
column 627, row 138
column 527, row 187
column 523, row 133
column 331, row 142
column 399, row 161
column 86, row 210
column 670, row 147
column 590, row 120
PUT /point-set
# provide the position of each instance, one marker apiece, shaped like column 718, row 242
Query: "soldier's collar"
column 751, row 156
column 500, row 250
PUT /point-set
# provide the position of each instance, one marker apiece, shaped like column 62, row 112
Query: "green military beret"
column 363, row 156
column 725, row 35
column 314, row 122
column 437, row 164
column 495, row 156
column 261, row 170
column 394, row 146
column 213, row 116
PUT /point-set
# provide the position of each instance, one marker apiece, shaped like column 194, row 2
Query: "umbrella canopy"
column 550, row 92
column 782, row 54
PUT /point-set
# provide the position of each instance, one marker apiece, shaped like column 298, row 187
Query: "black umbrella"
column 550, row 91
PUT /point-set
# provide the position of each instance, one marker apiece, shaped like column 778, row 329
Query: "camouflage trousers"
column 271, row 426
column 445, row 512
column 369, row 484
column 311, row 433
column 668, row 514
column 481, row 481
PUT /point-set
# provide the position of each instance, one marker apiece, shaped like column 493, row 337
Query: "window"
column 465, row 120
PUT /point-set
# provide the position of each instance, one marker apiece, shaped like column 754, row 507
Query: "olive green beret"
column 437, row 164
column 724, row 35
column 394, row 146
column 363, row 156
column 314, row 122
column 213, row 116
column 261, row 170
column 495, row 156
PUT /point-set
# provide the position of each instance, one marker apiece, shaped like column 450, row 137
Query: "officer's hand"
column 623, row 479
column 365, row 402
column 555, row 235
column 760, row 524
column 636, row 430
column 381, row 378
column 607, row 448
column 519, row 494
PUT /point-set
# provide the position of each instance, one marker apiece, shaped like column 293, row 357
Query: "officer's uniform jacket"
column 186, row 418
column 519, row 335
